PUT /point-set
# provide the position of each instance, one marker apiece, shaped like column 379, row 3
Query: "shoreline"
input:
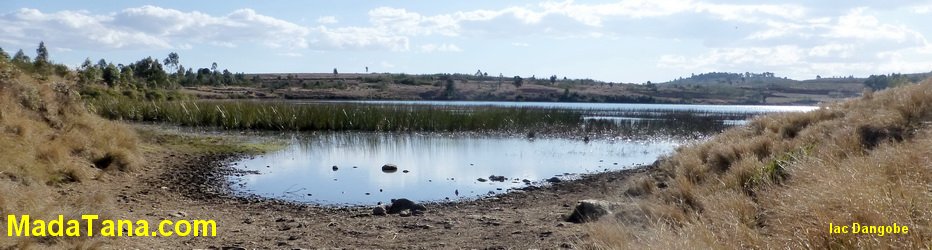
column 195, row 184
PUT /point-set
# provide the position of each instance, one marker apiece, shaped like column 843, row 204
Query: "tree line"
column 146, row 73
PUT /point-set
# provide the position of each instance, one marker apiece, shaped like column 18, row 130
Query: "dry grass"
column 49, row 142
column 780, row 181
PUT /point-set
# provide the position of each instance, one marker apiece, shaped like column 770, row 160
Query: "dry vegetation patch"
column 49, row 143
column 781, row 180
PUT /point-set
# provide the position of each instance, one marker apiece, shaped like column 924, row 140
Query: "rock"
column 405, row 171
column 482, row 180
column 590, row 210
column 402, row 204
column 178, row 214
column 405, row 213
column 389, row 168
column 378, row 210
column 497, row 178
column 554, row 180
column 335, row 168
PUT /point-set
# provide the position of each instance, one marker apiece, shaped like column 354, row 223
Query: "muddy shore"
column 184, row 185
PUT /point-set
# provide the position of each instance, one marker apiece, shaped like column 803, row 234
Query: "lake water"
column 438, row 167
column 445, row 166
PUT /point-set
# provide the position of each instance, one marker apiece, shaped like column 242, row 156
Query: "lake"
column 345, row 168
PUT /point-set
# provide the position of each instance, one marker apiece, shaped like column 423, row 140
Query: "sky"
column 619, row 41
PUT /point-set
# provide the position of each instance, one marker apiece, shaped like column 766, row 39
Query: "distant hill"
column 749, row 78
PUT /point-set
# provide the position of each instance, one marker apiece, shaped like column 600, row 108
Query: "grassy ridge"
column 781, row 180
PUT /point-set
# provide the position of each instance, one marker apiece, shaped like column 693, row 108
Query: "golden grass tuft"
column 50, row 141
column 780, row 181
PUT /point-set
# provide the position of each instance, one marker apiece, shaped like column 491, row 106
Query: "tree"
column 518, row 81
column 21, row 57
column 88, row 74
column 102, row 64
column 213, row 67
column 553, row 79
column 111, row 75
column 4, row 56
column 127, row 76
column 42, row 56
column 450, row 90
column 172, row 60
column 367, row 69
column 334, row 71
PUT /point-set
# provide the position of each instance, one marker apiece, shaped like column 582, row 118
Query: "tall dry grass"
column 49, row 143
column 780, row 181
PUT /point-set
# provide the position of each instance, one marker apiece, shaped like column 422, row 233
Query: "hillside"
column 781, row 181
column 51, row 146
column 385, row 86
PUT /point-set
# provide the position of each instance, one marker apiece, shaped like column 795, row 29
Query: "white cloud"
column 517, row 44
column 361, row 38
column 429, row 48
column 327, row 20
column 149, row 27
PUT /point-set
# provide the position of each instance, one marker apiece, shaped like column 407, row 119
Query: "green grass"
column 331, row 117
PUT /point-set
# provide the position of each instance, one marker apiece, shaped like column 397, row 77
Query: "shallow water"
column 439, row 167
column 447, row 166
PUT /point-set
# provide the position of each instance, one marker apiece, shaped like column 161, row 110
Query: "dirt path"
column 176, row 185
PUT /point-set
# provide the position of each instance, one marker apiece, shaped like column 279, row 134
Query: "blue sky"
column 620, row 41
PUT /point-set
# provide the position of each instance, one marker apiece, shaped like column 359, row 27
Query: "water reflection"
column 438, row 166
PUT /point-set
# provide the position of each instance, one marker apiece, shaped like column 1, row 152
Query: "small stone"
column 405, row 213
column 335, row 168
column 405, row 171
column 482, row 180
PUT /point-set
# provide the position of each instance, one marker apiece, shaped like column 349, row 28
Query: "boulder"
column 554, row 180
column 497, row 178
column 389, row 168
column 590, row 210
column 402, row 204
column 378, row 210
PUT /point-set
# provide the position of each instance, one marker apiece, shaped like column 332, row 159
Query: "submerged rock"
column 497, row 178
column 335, row 168
column 402, row 204
column 554, row 180
column 482, row 179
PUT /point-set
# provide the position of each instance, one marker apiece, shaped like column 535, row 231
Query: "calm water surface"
column 437, row 166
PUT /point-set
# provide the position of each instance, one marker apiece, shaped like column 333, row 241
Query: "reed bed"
column 285, row 116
